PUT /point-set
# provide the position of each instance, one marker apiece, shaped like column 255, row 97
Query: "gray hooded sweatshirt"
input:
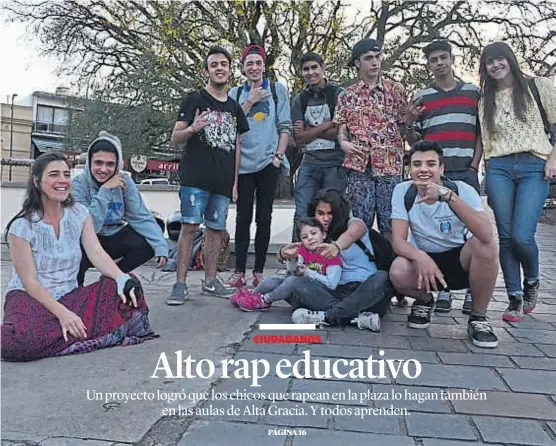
column 111, row 210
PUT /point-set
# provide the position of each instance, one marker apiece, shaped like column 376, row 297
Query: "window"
column 51, row 119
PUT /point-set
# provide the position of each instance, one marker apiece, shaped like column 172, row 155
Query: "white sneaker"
column 369, row 321
column 304, row 316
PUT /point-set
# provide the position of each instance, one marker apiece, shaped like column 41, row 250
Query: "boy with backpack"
column 267, row 107
column 451, row 246
column 315, row 131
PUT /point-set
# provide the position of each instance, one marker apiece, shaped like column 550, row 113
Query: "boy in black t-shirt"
column 208, row 128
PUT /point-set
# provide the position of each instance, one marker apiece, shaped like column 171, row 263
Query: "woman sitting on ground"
column 364, row 292
column 45, row 314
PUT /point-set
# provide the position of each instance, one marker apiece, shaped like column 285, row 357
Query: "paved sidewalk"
column 46, row 402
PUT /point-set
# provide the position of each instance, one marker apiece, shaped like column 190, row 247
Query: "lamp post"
column 14, row 95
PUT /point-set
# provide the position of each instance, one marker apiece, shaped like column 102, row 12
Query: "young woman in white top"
column 45, row 314
column 520, row 161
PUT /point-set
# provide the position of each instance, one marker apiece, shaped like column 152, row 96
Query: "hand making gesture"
column 200, row 120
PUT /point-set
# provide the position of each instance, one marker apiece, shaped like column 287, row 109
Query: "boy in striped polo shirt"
column 446, row 112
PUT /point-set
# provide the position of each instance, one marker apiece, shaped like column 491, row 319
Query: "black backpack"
column 411, row 194
column 330, row 92
column 273, row 91
column 384, row 254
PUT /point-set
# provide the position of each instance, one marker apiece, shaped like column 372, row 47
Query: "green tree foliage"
column 145, row 54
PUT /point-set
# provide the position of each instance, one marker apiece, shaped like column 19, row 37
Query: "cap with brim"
column 362, row 47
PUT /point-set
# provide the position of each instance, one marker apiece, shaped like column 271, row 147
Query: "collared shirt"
column 373, row 117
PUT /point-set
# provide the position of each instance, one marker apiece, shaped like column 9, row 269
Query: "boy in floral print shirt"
column 371, row 114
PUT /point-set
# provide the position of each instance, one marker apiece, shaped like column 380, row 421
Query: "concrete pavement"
column 47, row 402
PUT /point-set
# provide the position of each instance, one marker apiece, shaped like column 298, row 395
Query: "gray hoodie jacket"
column 111, row 210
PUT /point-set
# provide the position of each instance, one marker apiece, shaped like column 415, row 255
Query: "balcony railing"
column 48, row 127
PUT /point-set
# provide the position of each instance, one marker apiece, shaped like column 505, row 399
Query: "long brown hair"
column 521, row 96
column 33, row 199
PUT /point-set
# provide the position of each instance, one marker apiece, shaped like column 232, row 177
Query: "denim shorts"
column 200, row 206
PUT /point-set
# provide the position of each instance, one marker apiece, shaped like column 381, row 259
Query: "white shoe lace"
column 483, row 326
column 310, row 317
column 420, row 311
column 367, row 321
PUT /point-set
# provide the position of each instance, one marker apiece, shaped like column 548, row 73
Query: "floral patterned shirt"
column 373, row 117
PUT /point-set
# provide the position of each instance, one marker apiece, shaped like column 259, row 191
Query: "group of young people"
column 339, row 270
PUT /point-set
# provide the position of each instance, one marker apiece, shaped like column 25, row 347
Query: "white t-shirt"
column 57, row 260
column 435, row 227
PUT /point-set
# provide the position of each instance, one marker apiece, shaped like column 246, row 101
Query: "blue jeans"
column 516, row 192
column 310, row 179
column 198, row 206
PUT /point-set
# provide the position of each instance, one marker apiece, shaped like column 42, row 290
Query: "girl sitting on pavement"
column 309, row 263
column 364, row 291
column 45, row 313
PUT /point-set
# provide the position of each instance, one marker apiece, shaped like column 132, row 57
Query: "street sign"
column 138, row 163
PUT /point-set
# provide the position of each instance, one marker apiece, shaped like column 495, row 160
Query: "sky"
column 24, row 70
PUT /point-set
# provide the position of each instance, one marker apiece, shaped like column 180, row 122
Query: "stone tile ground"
column 517, row 380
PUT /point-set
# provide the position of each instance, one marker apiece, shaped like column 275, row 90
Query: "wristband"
column 338, row 247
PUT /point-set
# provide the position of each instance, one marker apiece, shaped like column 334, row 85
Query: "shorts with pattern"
column 201, row 206
column 369, row 195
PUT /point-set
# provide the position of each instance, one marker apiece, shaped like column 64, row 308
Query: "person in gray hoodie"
column 125, row 227
column 267, row 107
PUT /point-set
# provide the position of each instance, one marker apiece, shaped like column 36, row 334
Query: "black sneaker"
column 420, row 316
column 443, row 302
column 530, row 296
column 467, row 303
column 481, row 333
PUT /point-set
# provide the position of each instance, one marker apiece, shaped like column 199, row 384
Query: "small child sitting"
column 309, row 264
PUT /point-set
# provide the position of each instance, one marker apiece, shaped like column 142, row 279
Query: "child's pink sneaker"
column 257, row 279
column 236, row 296
column 237, row 280
column 250, row 301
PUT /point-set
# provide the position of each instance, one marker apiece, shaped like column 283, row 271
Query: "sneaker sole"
column 256, row 309
column 221, row 296
column 492, row 344
column 466, row 310
column 530, row 310
column 175, row 302
column 413, row 325
column 511, row 318
column 442, row 310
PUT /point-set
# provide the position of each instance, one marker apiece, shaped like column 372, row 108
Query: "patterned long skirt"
column 30, row 331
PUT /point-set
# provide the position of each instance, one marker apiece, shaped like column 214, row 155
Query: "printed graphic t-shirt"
column 316, row 262
column 208, row 158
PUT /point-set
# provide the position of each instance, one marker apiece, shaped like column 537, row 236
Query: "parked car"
column 163, row 181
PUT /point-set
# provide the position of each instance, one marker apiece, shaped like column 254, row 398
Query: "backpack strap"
column 537, row 97
column 330, row 94
column 238, row 93
column 275, row 97
column 411, row 194
column 304, row 102
column 365, row 250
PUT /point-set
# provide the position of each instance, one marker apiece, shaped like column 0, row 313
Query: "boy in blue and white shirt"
column 451, row 245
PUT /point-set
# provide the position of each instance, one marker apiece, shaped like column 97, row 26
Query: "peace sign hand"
column 200, row 120
column 428, row 191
